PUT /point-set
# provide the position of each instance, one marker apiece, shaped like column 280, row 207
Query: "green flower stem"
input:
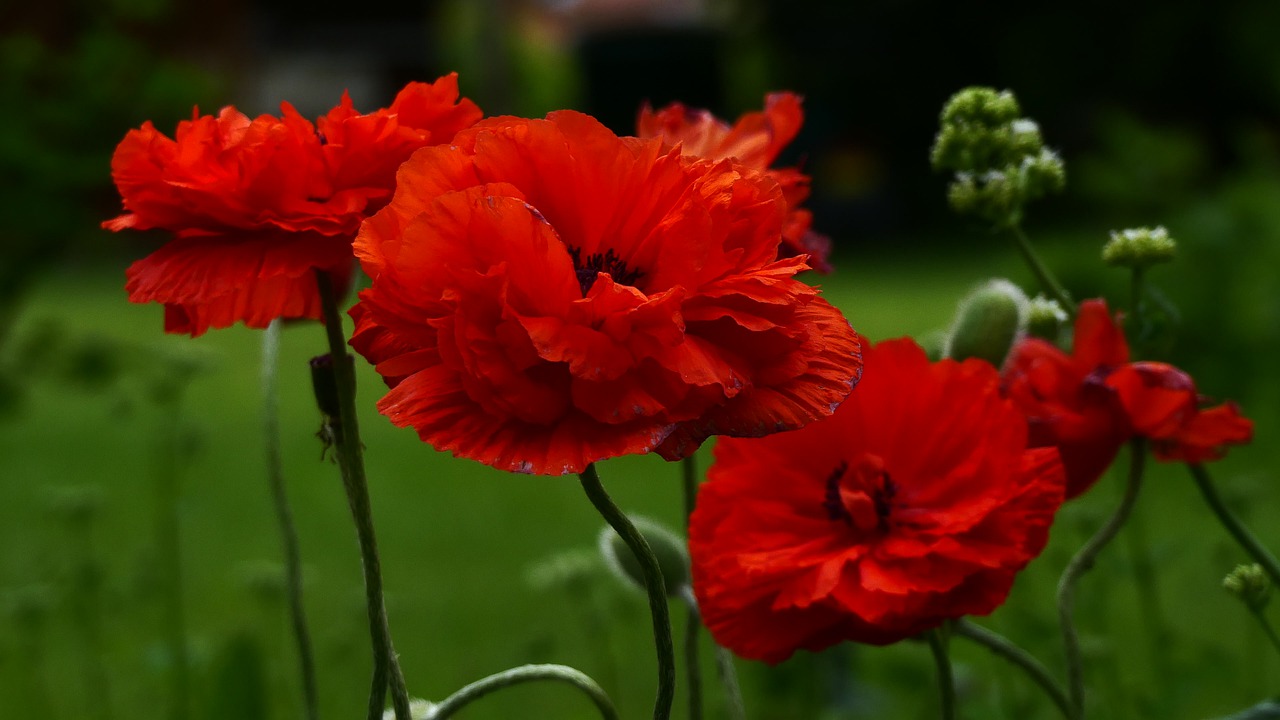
column 169, row 538
column 1005, row 648
column 693, row 622
column 524, row 674
column 1081, row 563
column 284, row 518
column 1135, row 291
column 654, row 585
column 1042, row 272
column 946, row 680
column 1266, row 627
column 1247, row 540
column 350, row 454
column 725, row 671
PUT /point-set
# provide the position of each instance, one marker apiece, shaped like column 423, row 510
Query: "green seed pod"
column 989, row 320
column 673, row 557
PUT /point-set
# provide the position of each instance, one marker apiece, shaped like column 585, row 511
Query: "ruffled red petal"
column 963, row 506
column 215, row 281
column 564, row 277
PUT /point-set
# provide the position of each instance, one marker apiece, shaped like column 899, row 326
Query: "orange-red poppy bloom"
column 755, row 140
column 916, row 502
column 546, row 294
column 255, row 205
column 1091, row 402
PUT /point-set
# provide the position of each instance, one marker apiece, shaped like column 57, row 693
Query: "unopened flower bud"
column 1249, row 583
column 989, row 320
column 669, row 548
column 1139, row 247
column 568, row 569
column 1045, row 318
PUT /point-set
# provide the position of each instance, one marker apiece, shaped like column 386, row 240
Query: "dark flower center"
column 860, row 494
column 588, row 269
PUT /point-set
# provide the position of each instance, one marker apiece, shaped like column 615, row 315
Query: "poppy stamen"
column 589, row 269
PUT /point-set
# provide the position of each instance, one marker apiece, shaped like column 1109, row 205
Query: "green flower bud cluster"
column 1249, row 583
column 1139, row 248
column 989, row 320
column 1045, row 318
column 998, row 159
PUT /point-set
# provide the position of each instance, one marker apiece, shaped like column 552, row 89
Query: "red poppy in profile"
column 546, row 294
column 916, row 502
column 256, row 205
column 755, row 141
column 1090, row 403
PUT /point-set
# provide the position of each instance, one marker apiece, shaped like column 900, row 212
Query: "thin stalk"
column 1266, row 627
column 1247, row 540
column 169, row 536
column 725, row 671
column 524, row 674
column 284, row 518
column 693, row 621
column 654, row 585
column 1048, row 282
column 1005, row 648
column 946, row 680
column 1081, row 563
column 350, row 454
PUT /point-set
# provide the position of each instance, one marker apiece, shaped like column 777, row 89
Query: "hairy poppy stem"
column 725, row 671
column 524, row 674
column 654, row 585
column 1047, row 280
column 693, row 621
column 350, row 454
column 1251, row 544
column 284, row 518
column 946, row 680
column 1081, row 563
column 1007, row 649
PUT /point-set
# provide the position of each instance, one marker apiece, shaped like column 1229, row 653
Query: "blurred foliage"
column 73, row 90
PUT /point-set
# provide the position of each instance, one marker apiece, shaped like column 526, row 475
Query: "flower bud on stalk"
column 1045, row 318
column 989, row 320
column 1249, row 583
column 1139, row 248
column 673, row 557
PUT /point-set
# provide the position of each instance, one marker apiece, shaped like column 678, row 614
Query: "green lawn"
column 459, row 540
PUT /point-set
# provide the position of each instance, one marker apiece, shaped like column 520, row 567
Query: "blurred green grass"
column 458, row 541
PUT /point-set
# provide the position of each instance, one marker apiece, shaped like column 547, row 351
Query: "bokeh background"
column 1165, row 114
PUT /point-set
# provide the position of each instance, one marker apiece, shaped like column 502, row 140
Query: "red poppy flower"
column 1090, row 403
column 256, row 205
column 916, row 502
column 546, row 294
column 755, row 141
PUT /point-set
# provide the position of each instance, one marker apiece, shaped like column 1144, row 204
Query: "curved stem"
column 654, row 585
column 350, row 454
column 284, row 518
column 1251, row 544
column 946, row 680
column 1005, row 648
column 1041, row 271
column 693, row 622
column 1081, row 563
column 524, row 674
